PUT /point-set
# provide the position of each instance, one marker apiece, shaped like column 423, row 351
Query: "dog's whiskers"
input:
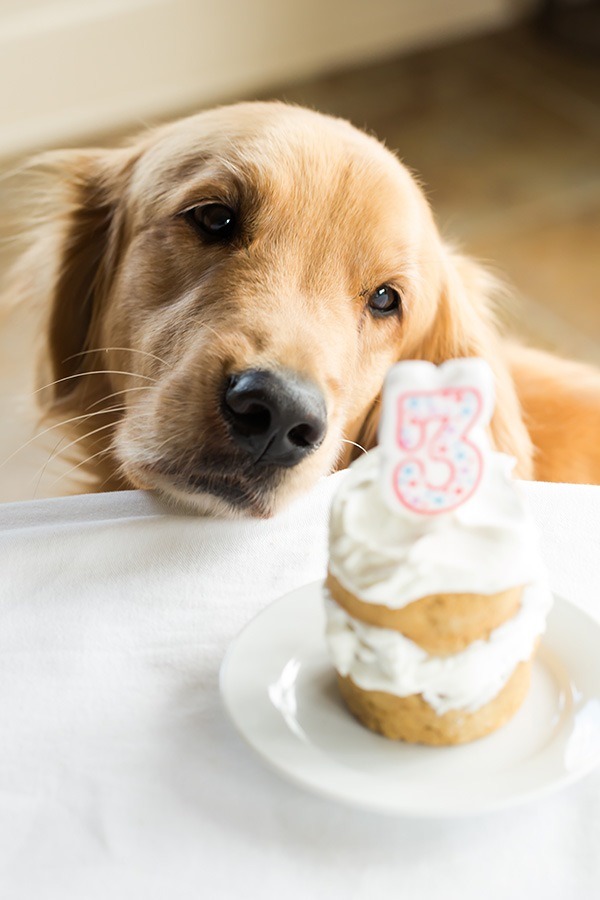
column 96, row 372
column 78, row 440
column 61, row 424
column 45, row 466
column 354, row 444
column 104, row 450
column 56, row 448
column 117, row 394
column 125, row 349
column 83, row 462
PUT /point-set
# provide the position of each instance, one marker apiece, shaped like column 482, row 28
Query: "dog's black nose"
column 277, row 417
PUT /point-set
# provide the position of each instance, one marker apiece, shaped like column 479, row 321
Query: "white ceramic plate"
column 279, row 688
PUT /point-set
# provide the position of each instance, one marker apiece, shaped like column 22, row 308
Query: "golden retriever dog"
column 225, row 294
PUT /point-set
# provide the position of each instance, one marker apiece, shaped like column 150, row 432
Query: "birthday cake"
column 435, row 596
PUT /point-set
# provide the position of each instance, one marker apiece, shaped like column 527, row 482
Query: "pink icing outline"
column 419, row 463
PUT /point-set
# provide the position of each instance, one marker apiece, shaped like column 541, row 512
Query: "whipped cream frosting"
column 485, row 546
column 382, row 659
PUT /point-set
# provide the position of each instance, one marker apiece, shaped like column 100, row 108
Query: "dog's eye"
column 384, row 301
column 214, row 221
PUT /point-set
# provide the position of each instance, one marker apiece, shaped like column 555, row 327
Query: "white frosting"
column 485, row 546
column 381, row 659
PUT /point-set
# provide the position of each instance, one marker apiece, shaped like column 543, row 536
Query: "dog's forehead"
column 280, row 151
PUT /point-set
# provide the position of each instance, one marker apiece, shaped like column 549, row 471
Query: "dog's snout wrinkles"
column 279, row 418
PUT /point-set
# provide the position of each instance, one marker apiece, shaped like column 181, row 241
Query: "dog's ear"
column 464, row 325
column 79, row 243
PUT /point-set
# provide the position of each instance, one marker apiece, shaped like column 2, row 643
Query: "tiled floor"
column 504, row 131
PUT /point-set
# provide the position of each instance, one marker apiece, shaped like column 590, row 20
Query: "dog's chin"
column 207, row 495
column 202, row 503
column 206, row 503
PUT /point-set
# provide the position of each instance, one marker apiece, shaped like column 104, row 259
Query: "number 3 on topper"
column 433, row 439
column 441, row 467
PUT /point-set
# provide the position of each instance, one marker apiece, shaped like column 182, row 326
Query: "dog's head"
column 233, row 288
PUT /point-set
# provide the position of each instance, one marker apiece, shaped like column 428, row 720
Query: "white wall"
column 69, row 68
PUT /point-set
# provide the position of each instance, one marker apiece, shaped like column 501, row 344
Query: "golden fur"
column 145, row 321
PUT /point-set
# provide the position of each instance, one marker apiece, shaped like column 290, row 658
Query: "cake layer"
column 485, row 546
column 381, row 659
column 441, row 624
column 412, row 719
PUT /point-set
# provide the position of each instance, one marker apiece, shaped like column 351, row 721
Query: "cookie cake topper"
column 432, row 434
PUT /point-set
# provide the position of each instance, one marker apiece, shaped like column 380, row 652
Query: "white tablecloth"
column 120, row 776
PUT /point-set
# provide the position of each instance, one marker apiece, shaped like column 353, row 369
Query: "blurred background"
column 494, row 103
